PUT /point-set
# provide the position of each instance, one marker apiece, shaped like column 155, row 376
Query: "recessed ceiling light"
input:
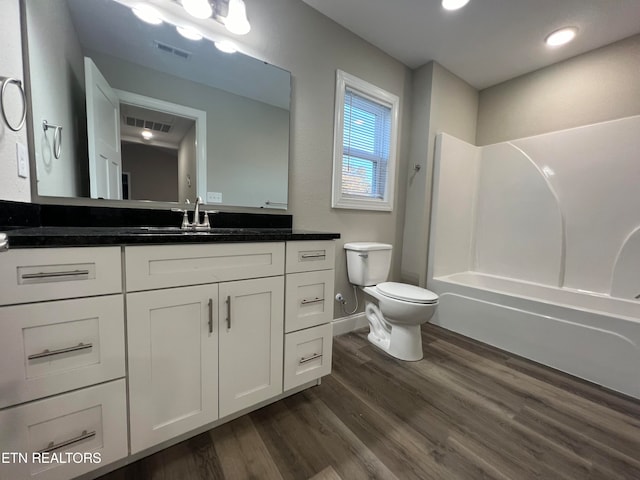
column 189, row 32
column 147, row 14
column 226, row 46
column 198, row 8
column 147, row 135
column 562, row 36
column 453, row 4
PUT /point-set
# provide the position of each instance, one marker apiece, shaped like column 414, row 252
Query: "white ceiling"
column 488, row 41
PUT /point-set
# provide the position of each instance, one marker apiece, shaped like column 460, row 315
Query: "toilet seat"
column 407, row 293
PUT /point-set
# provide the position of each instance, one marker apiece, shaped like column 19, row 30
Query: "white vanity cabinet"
column 212, row 330
column 173, row 362
column 207, row 338
column 309, row 311
column 251, row 322
column 62, row 386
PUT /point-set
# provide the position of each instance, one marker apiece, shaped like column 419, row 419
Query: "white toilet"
column 402, row 308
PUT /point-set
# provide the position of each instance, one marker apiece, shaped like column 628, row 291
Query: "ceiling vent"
column 163, row 47
column 148, row 124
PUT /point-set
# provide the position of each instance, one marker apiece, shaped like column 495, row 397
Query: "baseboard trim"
column 349, row 324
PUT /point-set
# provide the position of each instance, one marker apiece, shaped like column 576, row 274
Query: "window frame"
column 346, row 81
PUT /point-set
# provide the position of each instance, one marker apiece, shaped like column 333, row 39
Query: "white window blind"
column 366, row 142
column 364, row 149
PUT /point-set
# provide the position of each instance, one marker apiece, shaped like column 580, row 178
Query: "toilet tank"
column 368, row 263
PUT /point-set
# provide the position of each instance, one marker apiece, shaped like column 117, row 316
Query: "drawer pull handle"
column 307, row 302
column 73, row 273
column 211, row 315
column 313, row 255
column 228, row 312
column 49, row 353
column 308, row 359
column 57, row 446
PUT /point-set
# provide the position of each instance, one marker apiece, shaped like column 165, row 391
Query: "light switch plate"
column 214, row 197
column 23, row 160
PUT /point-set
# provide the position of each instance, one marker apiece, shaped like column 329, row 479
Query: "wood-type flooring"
column 466, row 411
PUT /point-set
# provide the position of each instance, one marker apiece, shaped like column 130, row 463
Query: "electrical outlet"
column 22, row 155
column 214, row 197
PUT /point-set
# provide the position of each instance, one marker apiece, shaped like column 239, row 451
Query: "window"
column 364, row 151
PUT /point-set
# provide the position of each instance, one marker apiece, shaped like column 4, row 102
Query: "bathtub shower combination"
column 535, row 248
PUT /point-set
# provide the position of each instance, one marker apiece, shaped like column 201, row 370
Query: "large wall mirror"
column 125, row 110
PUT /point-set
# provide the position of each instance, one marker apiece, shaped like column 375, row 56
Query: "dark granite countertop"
column 93, row 236
column 32, row 225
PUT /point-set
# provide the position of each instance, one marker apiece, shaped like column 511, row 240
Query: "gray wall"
column 56, row 67
column 12, row 187
column 443, row 102
column 600, row 85
column 292, row 35
column 154, row 172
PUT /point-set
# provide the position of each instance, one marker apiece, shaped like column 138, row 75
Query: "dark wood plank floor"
column 466, row 411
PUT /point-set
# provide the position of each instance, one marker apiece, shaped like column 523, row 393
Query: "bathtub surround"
column 535, row 248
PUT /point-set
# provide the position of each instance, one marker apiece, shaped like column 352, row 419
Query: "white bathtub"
column 589, row 335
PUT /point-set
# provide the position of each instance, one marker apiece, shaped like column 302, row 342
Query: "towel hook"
column 5, row 82
column 57, row 137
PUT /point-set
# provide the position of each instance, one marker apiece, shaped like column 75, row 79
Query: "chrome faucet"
column 195, row 225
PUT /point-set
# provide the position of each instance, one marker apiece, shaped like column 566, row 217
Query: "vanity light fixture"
column 231, row 13
column 147, row 14
column 453, row 4
column 189, row 32
column 225, row 46
column 562, row 36
column 147, row 135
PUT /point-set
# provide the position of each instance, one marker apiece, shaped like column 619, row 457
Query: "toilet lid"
column 409, row 293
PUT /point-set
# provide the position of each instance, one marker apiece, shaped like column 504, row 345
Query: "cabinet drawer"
column 152, row 267
column 307, row 256
column 32, row 275
column 53, row 347
column 309, row 299
column 307, row 355
column 88, row 424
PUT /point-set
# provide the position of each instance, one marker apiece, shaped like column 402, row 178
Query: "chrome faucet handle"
column 185, row 218
column 205, row 222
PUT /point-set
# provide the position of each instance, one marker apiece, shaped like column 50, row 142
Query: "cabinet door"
column 173, row 362
column 251, row 342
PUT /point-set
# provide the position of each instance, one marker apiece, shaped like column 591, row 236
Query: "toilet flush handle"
column 363, row 255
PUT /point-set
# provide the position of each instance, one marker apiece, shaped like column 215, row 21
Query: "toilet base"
column 400, row 341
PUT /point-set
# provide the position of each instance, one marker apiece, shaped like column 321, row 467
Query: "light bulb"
column 189, row 32
column 226, row 46
column 236, row 20
column 147, row 135
column 198, row 8
column 147, row 13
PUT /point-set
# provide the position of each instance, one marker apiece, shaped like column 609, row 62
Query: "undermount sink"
column 180, row 231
